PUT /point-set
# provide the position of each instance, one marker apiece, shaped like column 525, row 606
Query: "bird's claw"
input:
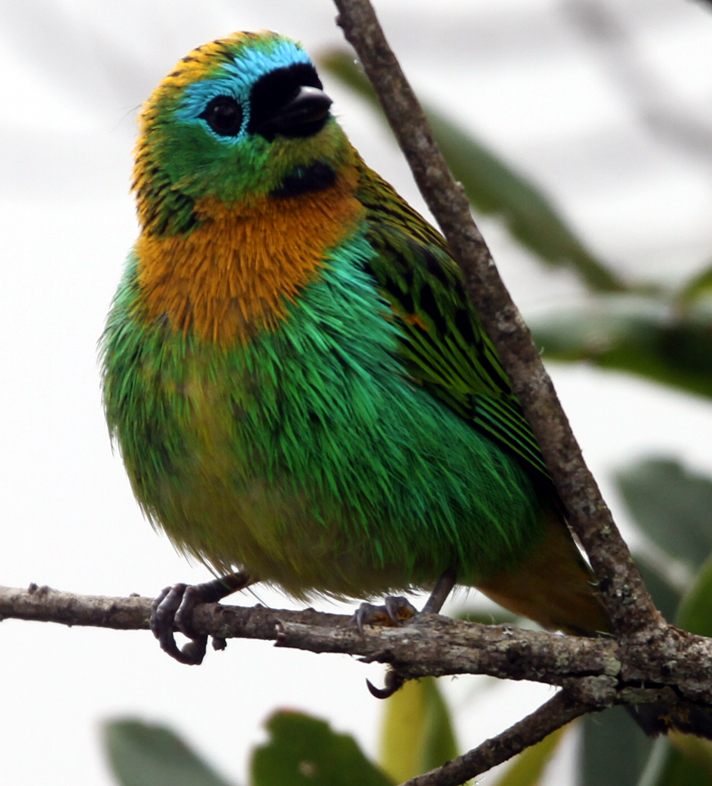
column 394, row 682
column 174, row 607
column 394, row 611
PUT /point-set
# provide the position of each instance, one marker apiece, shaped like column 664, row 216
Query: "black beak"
column 302, row 116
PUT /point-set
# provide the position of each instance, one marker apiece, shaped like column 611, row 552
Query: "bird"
column 300, row 388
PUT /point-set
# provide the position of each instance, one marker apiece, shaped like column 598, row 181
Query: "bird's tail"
column 556, row 588
column 553, row 586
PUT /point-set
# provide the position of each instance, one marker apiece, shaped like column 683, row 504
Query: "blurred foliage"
column 696, row 295
column 417, row 731
column 678, row 761
column 636, row 335
column 141, row 754
column 673, row 507
column 304, row 751
column 665, row 594
column 613, row 750
column 696, row 751
column 417, row 736
column 300, row 751
column 695, row 611
column 528, row 768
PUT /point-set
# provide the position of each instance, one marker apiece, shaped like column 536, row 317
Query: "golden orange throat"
column 235, row 273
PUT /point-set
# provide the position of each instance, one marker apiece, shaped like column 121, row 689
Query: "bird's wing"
column 444, row 346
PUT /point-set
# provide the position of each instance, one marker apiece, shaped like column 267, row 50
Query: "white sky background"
column 522, row 75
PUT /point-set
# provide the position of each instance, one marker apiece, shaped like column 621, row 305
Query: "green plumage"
column 298, row 384
column 321, row 464
column 369, row 441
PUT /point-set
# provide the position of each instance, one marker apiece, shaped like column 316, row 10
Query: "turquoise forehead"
column 237, row 78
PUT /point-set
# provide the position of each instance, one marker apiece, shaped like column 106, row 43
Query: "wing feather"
column 444, row 346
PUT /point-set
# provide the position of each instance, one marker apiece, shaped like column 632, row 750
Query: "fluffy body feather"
column 297, row 382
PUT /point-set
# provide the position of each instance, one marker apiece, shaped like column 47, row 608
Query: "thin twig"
column 557, row 712
column 628, row 603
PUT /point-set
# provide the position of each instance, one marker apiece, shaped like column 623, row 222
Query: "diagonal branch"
column 557, row 712
column 628, row 603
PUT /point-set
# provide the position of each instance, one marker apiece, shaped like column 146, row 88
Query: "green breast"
column 310, row 457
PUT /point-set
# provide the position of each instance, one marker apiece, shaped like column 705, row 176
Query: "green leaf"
column 614, row 751
column 417, row 731
column 695, row 749
column 634, row 335
column 670, row 766
column 304, row 751
column 695, row 614
column 666, row 597
column 141, row 754
column 495, row 188
column 672, row 505
column 528, row 767
column 697, row 293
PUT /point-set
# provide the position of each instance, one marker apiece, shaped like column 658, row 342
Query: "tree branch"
column 599, row 672
column 431, row 645
column 557, row 712
column 628, row 603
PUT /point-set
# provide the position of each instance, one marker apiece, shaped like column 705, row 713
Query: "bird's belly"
column 298, row 538
column 234, row 506
column 371, row 500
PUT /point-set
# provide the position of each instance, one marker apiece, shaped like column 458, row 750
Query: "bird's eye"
column 224, row 115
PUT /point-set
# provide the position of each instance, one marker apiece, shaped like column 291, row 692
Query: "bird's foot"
column 395, row 609
column 173, row 608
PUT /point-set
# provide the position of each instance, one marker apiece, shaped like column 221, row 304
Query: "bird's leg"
column 394, row 611
column 443, row 587
column 174, row 608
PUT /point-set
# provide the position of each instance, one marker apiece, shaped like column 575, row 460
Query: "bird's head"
column 239, row 120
